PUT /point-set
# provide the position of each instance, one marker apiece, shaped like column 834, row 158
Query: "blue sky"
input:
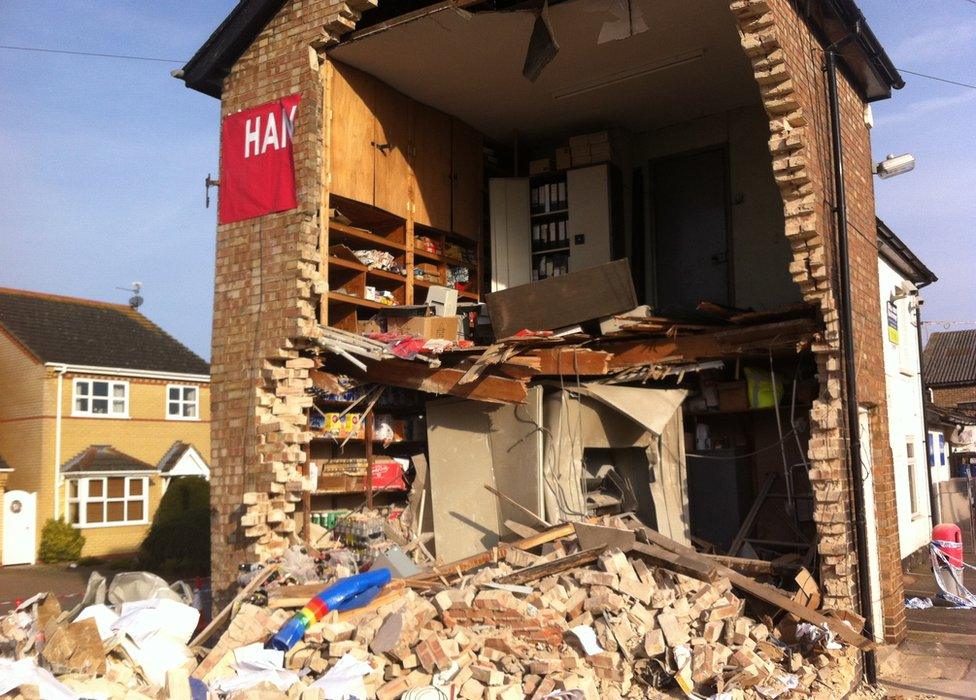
column 102, row 161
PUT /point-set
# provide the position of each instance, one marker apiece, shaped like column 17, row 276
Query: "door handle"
column 384, row 147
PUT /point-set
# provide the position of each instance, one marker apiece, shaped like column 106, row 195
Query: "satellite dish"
column 135, row 301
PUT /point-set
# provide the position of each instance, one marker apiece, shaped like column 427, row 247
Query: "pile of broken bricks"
column 588, row 618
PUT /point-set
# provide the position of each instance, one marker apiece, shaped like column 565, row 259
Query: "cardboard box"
column 542, row 165
column 564, row 158
column 733, row 396
column 431, row 327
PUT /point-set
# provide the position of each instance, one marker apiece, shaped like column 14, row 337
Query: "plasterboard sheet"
column 465, row 514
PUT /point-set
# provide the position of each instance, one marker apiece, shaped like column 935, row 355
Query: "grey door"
column 690, row 222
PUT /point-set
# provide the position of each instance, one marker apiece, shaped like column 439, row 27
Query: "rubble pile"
column 567, row 622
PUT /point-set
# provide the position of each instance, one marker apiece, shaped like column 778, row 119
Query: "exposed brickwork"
column 267, row 283
column 952, row 396
column 788, row 66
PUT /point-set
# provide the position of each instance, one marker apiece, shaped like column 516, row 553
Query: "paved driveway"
column 21, row 582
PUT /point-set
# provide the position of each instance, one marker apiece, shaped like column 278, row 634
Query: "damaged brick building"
column 716, row 119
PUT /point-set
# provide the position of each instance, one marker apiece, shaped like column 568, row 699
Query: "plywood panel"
column 465, row 514
column 352, row 133
column 469, row 173
column 392, row 138
column 431, row 160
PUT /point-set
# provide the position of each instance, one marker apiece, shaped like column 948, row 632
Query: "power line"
column 88, row 53
column 941, row 80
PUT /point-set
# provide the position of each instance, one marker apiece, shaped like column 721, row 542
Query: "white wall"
column 760, row 250
column 906, row 423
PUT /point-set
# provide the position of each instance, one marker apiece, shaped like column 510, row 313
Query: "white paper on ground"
column 26, row 672
column 104, row 618
column 157, row 654
column 345, row 679
column 144, row 618
column 587, row 638
column 254, row 664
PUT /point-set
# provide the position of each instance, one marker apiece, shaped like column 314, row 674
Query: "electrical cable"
column 89, row 54
column 971, row 86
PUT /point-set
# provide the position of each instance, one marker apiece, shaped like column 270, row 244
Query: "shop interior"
column 484, row 150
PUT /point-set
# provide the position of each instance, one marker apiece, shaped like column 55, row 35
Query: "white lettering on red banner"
column 257, row 165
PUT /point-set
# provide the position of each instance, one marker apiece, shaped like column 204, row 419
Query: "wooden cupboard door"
column 351, row 149
column 431, row 158
column 469, row 173
column 391, row 136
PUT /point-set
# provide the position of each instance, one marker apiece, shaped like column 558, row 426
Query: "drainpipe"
column 847, row 334
column 57, row 442
column 934, row 514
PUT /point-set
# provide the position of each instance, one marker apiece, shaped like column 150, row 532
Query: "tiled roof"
column 94, row 333
column 172, row 456
column 950, row 358
column 104, row 458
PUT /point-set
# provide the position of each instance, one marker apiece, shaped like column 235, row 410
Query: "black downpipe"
column 929, row 455
column 847, row 333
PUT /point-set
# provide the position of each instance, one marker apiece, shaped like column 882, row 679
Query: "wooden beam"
column 534, row 573
column 694, row 567
column 513, row 502
column 413, row 375
column 750, row 519
column 242, row 595
column 496, row 553
column 764, row 592
column 571, row 361
column 755, row 567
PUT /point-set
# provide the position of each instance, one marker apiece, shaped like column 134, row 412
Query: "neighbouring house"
column 950, row 369
column 426, row 144
column 901, row 275
column 99, row 408
column 952, row 459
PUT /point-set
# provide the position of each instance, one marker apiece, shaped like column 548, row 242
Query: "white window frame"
column 181, row 402
column 82, row 500
column 89, row 397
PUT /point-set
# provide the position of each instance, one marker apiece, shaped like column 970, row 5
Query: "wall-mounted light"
column 894, row 165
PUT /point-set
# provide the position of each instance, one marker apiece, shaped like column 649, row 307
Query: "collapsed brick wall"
column 952, row 396
column 788, row 66
column 265, row 305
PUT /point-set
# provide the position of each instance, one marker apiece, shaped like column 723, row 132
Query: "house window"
column 101, row 398
column 182, row 402
column 912, row 486
column 108, row 500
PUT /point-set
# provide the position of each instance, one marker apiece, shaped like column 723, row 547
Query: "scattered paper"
column 345, row 679
column 918, row 603
column 627, row 21
column 587, row 639
column 254, row 664
column 104, row 618
column 156, row 655
column 777, row 684
column 14, row 674
column 145, row 618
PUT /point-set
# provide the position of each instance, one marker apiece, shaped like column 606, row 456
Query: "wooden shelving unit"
column 368, row 228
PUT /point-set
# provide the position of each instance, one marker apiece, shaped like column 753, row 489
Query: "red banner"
column 257, row 163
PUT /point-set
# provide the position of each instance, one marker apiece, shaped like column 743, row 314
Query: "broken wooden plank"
column 242, row 595
column 591, row 536
column 411, row 375
column 513, row 502
column 571, row 361
column 492, row 355
column 694, row 567
column 495, row 553
column 534, row 573
column 765, row 592
column 588, row 294
column 754, row 567
column 750, row 519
